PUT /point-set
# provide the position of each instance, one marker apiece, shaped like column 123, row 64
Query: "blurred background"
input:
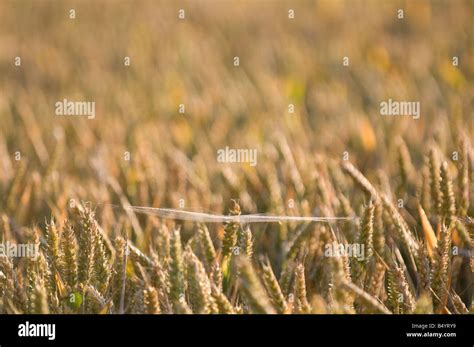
column 190, row 61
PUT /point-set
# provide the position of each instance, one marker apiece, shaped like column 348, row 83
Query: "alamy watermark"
column 28, row 329
column 237, row 155
column 400, row 108
column 75, row 108
column 19, row 250
column 355, row 250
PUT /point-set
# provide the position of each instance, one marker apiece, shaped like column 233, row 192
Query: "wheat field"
column 296, row 89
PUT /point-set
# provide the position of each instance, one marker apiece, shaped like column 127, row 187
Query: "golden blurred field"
column 58, row 168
